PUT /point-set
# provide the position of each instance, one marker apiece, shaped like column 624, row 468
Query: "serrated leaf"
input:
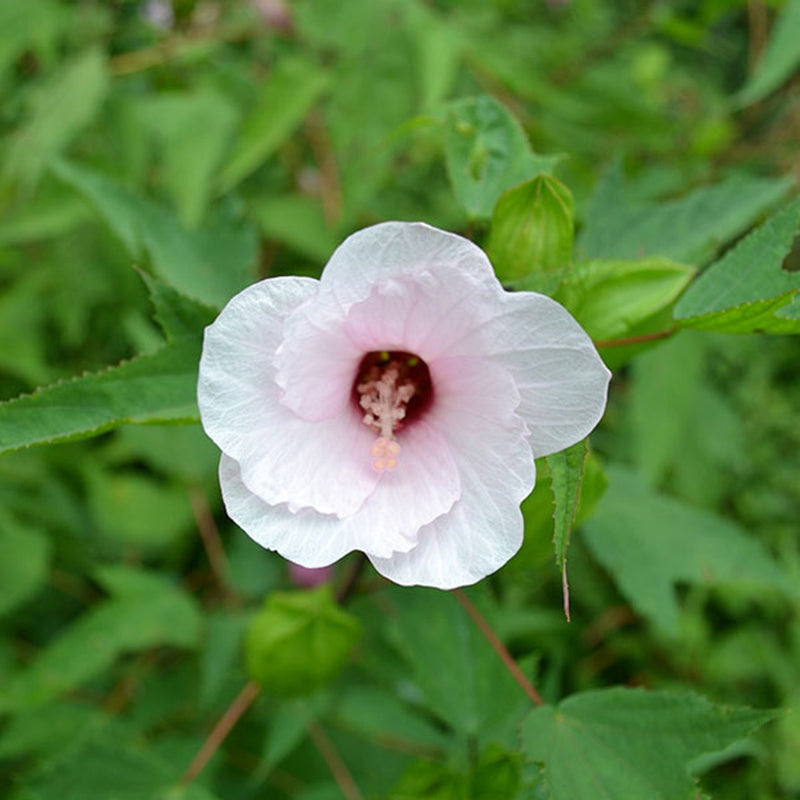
column 128, row 622
column 487, row 152
column 60, row 110
column 210, row 264
column 566, row 474
column 161, row 387
column 741, row 291
column 630, row 743
column 285, row 98
column 611, row 298
column 531, row 234
column 688, row 229
column 780, row 59
column 649, row 542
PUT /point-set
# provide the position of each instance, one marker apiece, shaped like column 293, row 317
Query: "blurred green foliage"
column 209, row 143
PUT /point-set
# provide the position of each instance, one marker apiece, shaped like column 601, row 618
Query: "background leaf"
column 134, row 620
column 161, row 387
column 780, row 59
column 629, row 743
column 650, row 542
column 487, row 152
column 688, row 229
column 740, row 292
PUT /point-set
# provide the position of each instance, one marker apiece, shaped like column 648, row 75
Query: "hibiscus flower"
column 395, row 406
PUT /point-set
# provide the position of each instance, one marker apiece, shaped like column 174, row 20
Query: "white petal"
column 561, row 379
column 424, row 486
column 481, row 533
column 427, row 314
column 395, row 250
column 474, row 408
column 284, row 459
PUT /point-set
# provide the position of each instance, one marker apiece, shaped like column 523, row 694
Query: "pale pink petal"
column 482, row 531
column 316, row 361
column 430, row 315
column 424, row 486
column 396, row 250
column 475, row 409
column 561, row 379
column 324, row 465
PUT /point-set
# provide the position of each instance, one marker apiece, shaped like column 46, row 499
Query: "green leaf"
column 688, row 229
column 299, row 641
column 611, row 298
column 33, row 26
column 161, row 387
column 741, row 292
column 487, row 152
column 46, row 729
column 154, row 614
column 629, row 743
column 496, row 774
column 59, row 111
column 137, row 510
column 463, row 681
column 285, row 98
column 566, row 474
column 649, row 542
column 531, row 234
column 662, row 401
column 210, row 264
column 780, row 59
column 287, row 728
column 24, row 561
column 107, row 767
column 192, row 130
column 298, row 222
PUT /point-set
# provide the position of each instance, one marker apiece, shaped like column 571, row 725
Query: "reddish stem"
column 498, row 646
column 344, row 780
column 224, row 725
column 644, row 337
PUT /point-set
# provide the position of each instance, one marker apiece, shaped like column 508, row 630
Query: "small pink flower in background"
column 309, row 577
column 395, row 406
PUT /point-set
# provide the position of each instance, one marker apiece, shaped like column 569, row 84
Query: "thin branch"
column 644, row 337
column 212, row 543
column 499, row 647
column 757, row 29
column 224, row 725
column 330, row 187
column 177, row 45
column 344, row 780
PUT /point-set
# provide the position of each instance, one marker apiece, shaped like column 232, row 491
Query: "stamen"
column 384, row 454
column 388, row 382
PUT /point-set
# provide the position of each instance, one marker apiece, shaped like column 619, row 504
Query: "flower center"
column 392, row 388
